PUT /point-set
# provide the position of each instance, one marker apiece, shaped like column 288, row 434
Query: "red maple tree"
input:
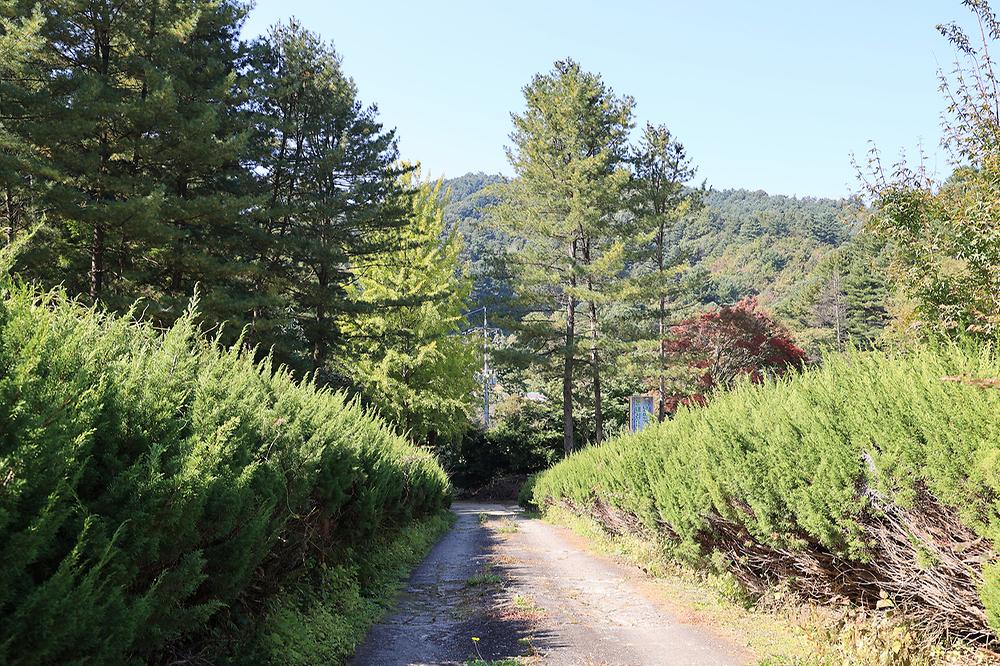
column 726, row 343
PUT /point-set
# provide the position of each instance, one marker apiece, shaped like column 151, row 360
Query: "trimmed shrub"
column 321, row 618
column 873, row 477
column 150, row 479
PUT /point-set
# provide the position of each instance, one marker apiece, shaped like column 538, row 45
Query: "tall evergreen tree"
column 121, row 117
column 332, row 187
column 123, row 101
column 866, row 290
column 198, row 151
column 568, row 150
column 20, row 42
column 657, row 199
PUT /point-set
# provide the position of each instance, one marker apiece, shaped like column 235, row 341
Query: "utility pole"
column 486, row 376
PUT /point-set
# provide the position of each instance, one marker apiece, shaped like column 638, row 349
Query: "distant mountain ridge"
column 740, row 243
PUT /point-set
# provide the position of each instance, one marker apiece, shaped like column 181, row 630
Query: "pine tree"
column 866, row 290
column 332, row 187
column 197, row 151
column 407, row 354
column 20, row 43
column 568, row 150
column 657, row 199
column 121, row 118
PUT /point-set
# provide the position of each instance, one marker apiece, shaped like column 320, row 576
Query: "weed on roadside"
column 479, row 661
column 484, row 577
column 859, row 636
column 508, row 526
column 525, row 606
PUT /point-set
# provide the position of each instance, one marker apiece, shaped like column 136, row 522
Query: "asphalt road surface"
column 527, row 589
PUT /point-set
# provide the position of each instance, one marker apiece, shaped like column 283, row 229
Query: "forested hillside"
column 736, row 244
column 467, row 200
column 756, row 244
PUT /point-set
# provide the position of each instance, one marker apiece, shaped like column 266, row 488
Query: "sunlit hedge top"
column 149, row 478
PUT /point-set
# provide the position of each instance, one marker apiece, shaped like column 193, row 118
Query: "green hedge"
column 874, row 475
column 322, row 617
column 150, row 479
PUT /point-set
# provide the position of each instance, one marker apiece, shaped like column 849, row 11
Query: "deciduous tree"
column 719, row 346
column 946, row 239
column 407, row 353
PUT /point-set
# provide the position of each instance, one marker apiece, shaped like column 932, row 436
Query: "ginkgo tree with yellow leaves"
column 408, row 354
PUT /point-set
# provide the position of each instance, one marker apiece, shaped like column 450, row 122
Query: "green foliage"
column 568, row 153
column 322, row 616
column 526, row 494
column 468, row 200
column 525, row 437
column 408, row 355
column 945, row 247
column 945, row 237
column 150, row 479
column 124, row 126
column 845, row 298
column 756, row 244
column 329, row 174
column 166, row 155
column 657, row 199
column 787, row 262
column 485, row 577
column 789, row 461
column 721, row 266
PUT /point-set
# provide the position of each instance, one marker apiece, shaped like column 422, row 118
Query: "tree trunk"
column 568, row 360
column 97, row 263
column 11, row 216
column 320, row 341
column 662, row 320
column 595, row 361
column 98, row 241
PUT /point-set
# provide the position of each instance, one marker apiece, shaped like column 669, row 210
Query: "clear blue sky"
column 772, row 95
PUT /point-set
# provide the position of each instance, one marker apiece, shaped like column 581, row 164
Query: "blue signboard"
column 640, row 411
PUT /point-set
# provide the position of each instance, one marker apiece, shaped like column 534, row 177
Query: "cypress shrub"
column 149, row 479
column 875, row 476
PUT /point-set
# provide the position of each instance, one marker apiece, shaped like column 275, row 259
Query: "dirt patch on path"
column 528, row 589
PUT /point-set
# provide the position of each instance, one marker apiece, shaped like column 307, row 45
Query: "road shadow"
column 453, row 598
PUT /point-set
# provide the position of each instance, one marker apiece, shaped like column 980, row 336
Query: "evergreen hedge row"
column 150, row 479
column 875, row 476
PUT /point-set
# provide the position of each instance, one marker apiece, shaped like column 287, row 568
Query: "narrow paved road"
column 526, row 589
